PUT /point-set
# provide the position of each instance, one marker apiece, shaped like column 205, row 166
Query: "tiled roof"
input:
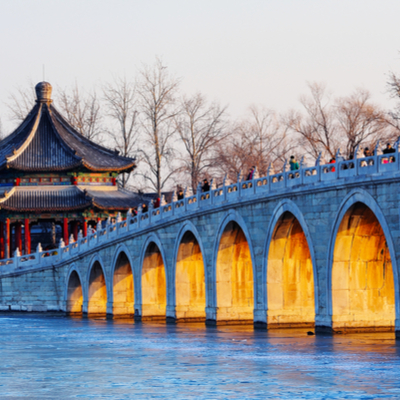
column 115, row 200
column 66, row 198
column 48, row 199
column 46, row 142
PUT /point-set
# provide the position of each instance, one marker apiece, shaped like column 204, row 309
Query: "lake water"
column 64, row 358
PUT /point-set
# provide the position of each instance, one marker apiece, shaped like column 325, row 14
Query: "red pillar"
column 84, row 228
column 65, row 231
column 27, row 229
column 2, row 239
column 75, row 230
column 7, row 239
column 18, row 236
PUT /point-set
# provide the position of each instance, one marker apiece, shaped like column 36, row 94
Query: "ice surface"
column 64, row 358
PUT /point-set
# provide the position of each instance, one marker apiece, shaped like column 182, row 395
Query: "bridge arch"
column 234, row 290
column 189, row 274
column 154, row 282
column 290, row 275
column 122, row 291
column 97, row 287
column 359, row 203
column 75, row 292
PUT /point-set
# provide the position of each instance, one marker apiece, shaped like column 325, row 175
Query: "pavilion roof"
column 46, row 142
column 66, row 198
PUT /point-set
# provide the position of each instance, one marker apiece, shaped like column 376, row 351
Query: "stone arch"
column 122, row 277
column 154, row 282
column 235, row 289
column 97, row 288
column 74, row 292
column 189, row 275
column 362, row 279
column 290, row 281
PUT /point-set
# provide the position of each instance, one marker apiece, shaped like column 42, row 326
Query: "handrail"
column 303, row 177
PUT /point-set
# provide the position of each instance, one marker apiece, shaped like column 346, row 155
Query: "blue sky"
column 236, row 52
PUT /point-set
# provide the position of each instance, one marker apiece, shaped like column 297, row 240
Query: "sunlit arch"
column 97, row 288
column 234, row 281
column 75, row 293
column 153, row 279
column 189, row 303
column 283, row 207
column 354, row 203
column 122, row 278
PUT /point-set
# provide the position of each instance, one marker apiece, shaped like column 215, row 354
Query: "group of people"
column 294, row 166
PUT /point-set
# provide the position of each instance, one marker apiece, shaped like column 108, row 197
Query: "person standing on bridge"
column 251, row 173
column 333, row 161
column 294, row 165
column 206, row 186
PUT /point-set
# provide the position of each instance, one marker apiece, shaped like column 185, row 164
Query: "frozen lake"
column 65, row 358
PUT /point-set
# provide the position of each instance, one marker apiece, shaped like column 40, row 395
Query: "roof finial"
column 43, row 92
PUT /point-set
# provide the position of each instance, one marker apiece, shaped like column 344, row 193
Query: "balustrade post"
column 150, row 211
column 185, row 197
column 239, row 184
column 377, row 153
column 198, row 195
column 225, row 184
column 139, row 215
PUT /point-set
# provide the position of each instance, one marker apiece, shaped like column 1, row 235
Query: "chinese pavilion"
column 50, row 175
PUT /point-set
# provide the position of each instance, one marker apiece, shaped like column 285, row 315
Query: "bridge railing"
column 380, row 164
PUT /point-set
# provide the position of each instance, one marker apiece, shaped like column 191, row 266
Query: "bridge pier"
column 211, row 316
column 323, row 323
column 260, row 319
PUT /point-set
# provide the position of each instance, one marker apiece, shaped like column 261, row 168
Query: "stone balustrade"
column 358, row 170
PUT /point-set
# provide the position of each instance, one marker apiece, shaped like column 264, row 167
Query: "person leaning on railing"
column 389, row 150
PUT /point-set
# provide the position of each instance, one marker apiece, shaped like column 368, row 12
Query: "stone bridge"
column 317, row 246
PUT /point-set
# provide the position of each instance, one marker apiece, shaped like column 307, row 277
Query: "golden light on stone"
column 235, row 296
column 154, row 285
column 189, row 280
column 362, row 275
column 290, row 280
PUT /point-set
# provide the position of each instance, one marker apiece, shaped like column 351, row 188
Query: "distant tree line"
column 180, row 139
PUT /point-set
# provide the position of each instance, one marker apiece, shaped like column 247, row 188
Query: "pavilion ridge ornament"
column 43, row 92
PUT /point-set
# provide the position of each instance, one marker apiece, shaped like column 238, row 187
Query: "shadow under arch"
column 97, row 289
column 234, row 293
column 290, row 280
column 189, row 292
column 122, row 277
column 362, row 281
column 153, row 279
column 74, row 292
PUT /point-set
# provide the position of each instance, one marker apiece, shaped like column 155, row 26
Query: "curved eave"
column 47, row 210
column 41, row 169
column 110, row 208
column 128, row 168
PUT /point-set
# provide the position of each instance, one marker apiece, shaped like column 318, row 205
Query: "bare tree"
column 2, row 133
column 360, row 121
column 157, row 91
column 120, row 98
column 201, row 128
column 21, row 102
column 82, row 111
column 317, row 129
column 393, row 86
column 258, row 140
